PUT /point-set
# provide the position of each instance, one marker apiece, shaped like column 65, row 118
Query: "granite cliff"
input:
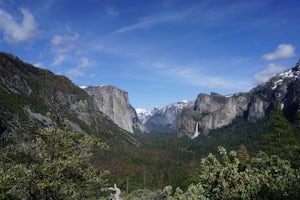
column 214, row 110
column 115, row 104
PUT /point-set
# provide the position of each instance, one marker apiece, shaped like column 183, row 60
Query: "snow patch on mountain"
column 288, row 74
column 143, row 114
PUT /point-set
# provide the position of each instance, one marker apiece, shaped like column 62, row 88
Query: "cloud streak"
column 204, row 13
column 282, row 51
column 154, row 20
column 192, row 76
column 58, row 60
column 16, row 32
column 75, row 72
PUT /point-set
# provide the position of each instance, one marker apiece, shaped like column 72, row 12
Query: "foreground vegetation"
column 57, row 163
column 54, row 165
column 235, row 176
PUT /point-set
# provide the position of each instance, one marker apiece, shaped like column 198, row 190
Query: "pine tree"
column 297, row 123
column 243, row 155
column 281, row 139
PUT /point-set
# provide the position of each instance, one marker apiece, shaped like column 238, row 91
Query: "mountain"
column 166, row 118
column 214, row 111
column 31, row 98
column 143, row 114
column 114, row 103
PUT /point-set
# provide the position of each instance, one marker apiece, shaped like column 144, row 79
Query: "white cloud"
column 85, row 62
column 64, row 43
column 58, row 60
column 271, row 70
column 15, row 32
column 281, row 52
column 63, row 46
column 75, row 72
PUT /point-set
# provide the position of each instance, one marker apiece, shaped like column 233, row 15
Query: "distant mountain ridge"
column 143, row 114
column 166, row 118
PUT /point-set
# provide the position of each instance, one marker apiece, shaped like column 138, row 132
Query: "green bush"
column 264, row 177
column 55, row 165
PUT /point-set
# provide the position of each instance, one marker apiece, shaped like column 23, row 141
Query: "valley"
column 147, row 151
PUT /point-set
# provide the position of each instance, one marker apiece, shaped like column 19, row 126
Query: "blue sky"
column 159, row 51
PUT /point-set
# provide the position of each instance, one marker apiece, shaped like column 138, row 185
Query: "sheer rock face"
column 218, row 110
column 115, row 104
column 214, row 110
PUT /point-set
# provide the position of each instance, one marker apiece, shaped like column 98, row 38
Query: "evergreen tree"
column 281, row 139
column 243, row 155
column 296, row 152
column 297, row 123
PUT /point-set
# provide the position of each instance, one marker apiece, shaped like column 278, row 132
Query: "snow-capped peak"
column 142, row 111
column 143, row 114
column 290, row 74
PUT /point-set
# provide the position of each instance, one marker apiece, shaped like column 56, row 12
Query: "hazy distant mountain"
column 143, row 114
column 166, row 118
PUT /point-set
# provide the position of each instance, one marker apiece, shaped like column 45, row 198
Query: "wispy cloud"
column 151, row 21
column 204, row 13
column 282, row 51
column 264, row 75
column 15, row 32
column 192, row 76
column 64, row 43
column 74, row 72
column 86, row 62
column 58, row 60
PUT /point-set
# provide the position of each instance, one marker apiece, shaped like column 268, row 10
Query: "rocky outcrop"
column 214, row 110
column 115, row 104
column 166, row 119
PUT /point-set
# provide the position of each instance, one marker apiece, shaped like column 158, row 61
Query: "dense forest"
column 263, row 163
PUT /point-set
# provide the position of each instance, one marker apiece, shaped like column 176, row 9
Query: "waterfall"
column 196, row 133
